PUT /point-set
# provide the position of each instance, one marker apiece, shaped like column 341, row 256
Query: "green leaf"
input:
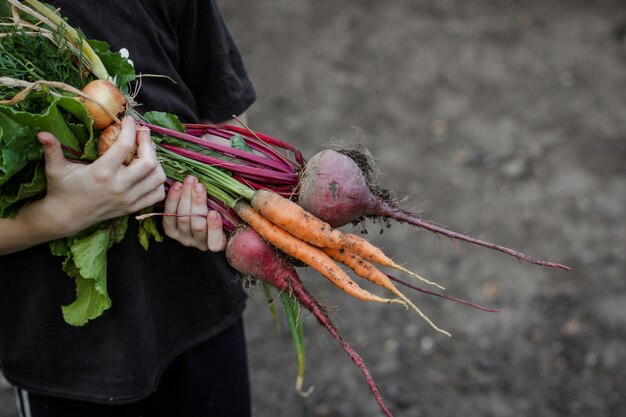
column 90, row 304
column 147, row 230
column 294, row 322
column 18, row 144
column 18, row 130
column 80, row 123
column 5, row 9
column 118, row 229
column 237, row 141
column 86, row 263
column 59, row 247
column 268, row 290
column 32, row 186
column 21, row 175
column 166, row 120
column 118, row 67
column 36, row 57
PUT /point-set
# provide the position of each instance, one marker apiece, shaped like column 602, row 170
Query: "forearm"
column 30, row 227
column 80, row 195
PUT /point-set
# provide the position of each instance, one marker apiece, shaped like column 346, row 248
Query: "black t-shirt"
column 167, row 299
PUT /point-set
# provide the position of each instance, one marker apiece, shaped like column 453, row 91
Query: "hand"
column 204, row 229
column 79, row 195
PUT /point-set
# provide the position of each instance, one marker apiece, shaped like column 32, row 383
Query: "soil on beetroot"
column 502, row 119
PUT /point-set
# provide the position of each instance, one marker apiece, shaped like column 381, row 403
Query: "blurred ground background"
column 499, row 118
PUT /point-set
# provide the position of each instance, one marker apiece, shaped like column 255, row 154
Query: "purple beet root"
column 337, row 187
column 251, row 255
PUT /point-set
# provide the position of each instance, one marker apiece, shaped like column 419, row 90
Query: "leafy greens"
column 22, row 176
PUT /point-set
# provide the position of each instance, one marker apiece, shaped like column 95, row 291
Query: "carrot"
column 294, row 219
column 302, row 224
column 312, row 256
column 366, row 270
column 356, row 244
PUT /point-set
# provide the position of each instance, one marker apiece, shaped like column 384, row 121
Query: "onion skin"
column 107, row 139
column 107, row 94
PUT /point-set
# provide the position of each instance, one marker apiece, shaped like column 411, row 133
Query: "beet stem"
column 387, row 210
column 223, row 149
column 255, row 144
column 72, row 150
column 270, row 140
column 447, row 297
column 260, row 174
column 307, row 300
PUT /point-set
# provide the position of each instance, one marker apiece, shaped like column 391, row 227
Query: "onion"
column 107, row 139
column 106, row 101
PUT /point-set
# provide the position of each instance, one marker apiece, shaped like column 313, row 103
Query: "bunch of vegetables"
column 279, row 210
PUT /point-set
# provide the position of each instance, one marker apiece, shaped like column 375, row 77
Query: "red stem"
column 72, row 150
column 284, row 190
column 309, row 302
column 447, row 297
column 387, row 210
column 272, row 141
column 223, row 149
column 260, row 174
column 251, row 141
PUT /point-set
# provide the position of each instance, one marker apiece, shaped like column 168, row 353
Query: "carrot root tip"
column 399, row 301
column 421, row 314
column 414, row 275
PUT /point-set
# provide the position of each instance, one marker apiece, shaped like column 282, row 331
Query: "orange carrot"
column 306, row 253
column 356, row 244
column 366, row 270
column 302, row 224
column 294, row 219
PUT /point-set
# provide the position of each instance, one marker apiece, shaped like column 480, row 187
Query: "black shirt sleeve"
column 186, row 41
column 211, row 64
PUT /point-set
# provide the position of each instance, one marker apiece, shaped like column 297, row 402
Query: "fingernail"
column 199, row 189
column 177, row 186
column 214, row 219
column 190, row 179
column 41, row 136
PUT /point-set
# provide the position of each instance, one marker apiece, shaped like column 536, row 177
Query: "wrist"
column 50, row 219
column 54, row 219
column 29, row 227
column 44, row 220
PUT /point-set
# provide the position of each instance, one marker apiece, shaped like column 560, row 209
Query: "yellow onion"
column 108, row 137
column 103, row 94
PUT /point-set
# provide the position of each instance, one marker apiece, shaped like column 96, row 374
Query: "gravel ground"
column 502, row 119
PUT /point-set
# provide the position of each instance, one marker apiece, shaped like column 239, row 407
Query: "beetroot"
column 251, row 255
column 338, row 187
column 335, row 189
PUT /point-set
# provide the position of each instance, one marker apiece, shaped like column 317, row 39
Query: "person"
column 173, row 342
